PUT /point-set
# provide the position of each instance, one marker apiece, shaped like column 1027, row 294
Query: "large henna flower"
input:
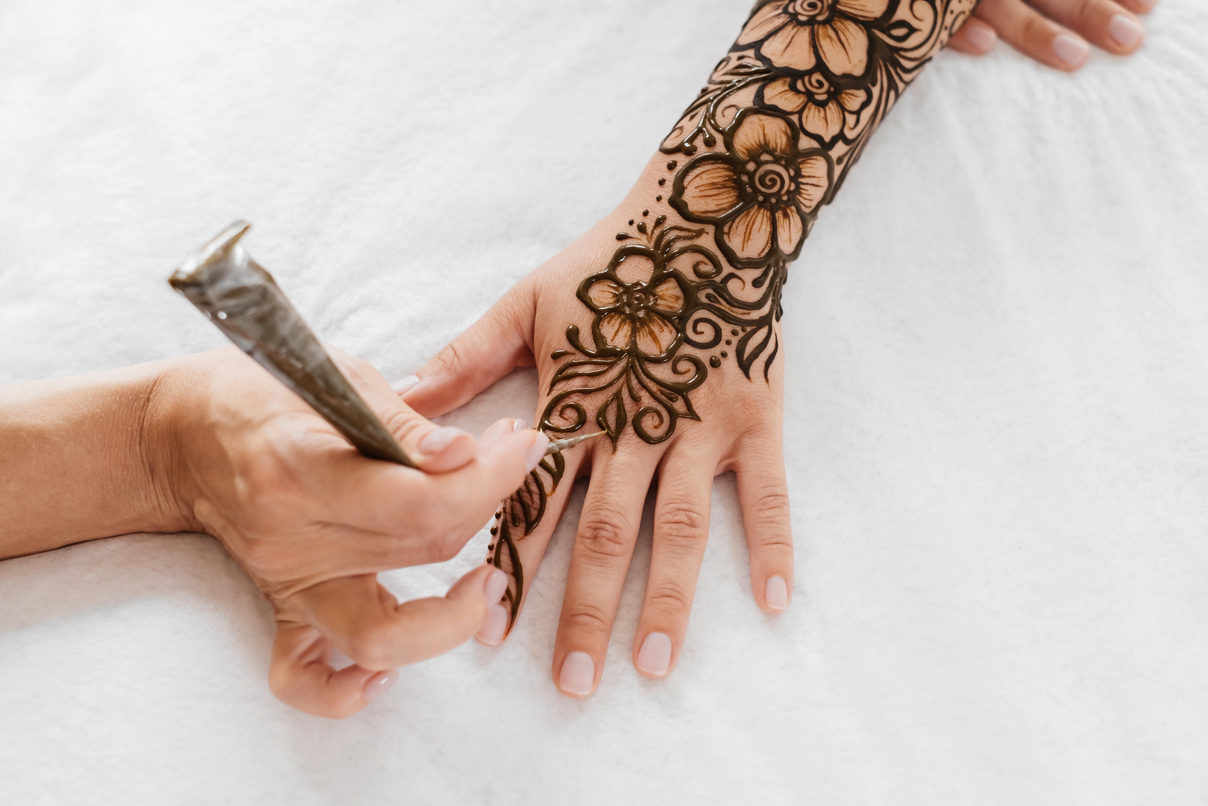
column 636, row 302
column 822, row 109
column 798, row 34
column 759, row 194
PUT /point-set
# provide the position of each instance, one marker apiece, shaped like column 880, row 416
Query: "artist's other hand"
column 739, row 430
column 312, row 520
column 1055, row 32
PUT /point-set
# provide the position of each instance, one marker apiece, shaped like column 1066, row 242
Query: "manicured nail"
column 776, row 593
column 520, row 425
column 439, row 439
column 1125, row 30
column 980, row 35
column 1070, row 49
column 406, row 383
column 654, row 658
column 492, row 631
column 379, row 684
column 496, row 584
column 578, row 673
column 535, row 454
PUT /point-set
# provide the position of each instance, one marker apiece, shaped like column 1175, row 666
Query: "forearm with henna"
column 716, row 219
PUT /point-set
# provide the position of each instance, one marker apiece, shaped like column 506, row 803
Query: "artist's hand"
column 1055, row 32
column 641, row 321
column 312, row 520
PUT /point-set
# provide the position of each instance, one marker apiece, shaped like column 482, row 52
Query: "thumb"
column 491, row 348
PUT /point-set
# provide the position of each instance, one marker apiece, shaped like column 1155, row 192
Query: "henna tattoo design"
column 763, row 147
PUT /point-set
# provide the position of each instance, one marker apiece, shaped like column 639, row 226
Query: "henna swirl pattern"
column 766, row 143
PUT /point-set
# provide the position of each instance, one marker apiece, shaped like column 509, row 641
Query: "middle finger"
column 604, row 544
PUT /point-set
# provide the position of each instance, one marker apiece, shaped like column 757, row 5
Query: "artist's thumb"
column 491, row 348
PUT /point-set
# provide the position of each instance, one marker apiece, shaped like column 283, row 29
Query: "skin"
column 1033, row 27
column 744, row 438
column 781, row 120
column 212, row 443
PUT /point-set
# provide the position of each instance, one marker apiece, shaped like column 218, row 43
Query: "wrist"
column 161, row 446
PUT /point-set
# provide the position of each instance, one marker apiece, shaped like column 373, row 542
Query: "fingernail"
column 406, row 383
column 439, row 439
column 520, row 425
column 496, row 584
column 379, row 684
column 492, row 631
column 980, row 35
column 1147, row 4
column 1125, row 30
column 654, row 658
column 577, row 675
column 776, row 593
column 1070, row 49
column 540, row 443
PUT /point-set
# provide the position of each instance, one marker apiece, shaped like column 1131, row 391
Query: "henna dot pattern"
column 764, row 146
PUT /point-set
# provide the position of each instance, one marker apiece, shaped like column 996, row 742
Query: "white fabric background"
column 997, row 353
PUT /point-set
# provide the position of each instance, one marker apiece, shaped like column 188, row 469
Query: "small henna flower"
column 636, row 302
column 822, row 109
column 799, row 34
column 759, row 194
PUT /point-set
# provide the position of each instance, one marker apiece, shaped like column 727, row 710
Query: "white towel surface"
column 997, row 361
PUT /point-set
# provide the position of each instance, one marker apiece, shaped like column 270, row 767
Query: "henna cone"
column 246, row 304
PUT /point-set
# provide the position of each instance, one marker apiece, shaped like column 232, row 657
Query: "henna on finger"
column 697, row 275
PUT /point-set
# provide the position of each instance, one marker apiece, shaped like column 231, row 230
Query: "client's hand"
column 1055, row 32
column 641, row 336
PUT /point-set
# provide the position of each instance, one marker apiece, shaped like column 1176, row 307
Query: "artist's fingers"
column 681, row 527
column 1103, row 22
column 1033, row 34
column 604, row 544
column 301, row 677
column 375, row 630
column 763, row 495
column 974, row 38
column 492, row 347
column 427, row 518
column 435, row 449
column 521, row 532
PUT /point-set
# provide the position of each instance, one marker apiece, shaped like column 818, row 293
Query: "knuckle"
column 775, row 541
column 681, row 523
column 1035, row 29
column 586, row 619
column 669, row 598
column 1087, row 10
column 402, row 423
column 604, row 536
column 771, row 505
column 450, row 359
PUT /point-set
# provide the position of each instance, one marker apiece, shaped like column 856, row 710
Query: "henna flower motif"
column 759, row 194
column 823, row 109
column 798, row 34
column 636, row 302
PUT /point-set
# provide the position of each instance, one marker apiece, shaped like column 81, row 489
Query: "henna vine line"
column 766, row 143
